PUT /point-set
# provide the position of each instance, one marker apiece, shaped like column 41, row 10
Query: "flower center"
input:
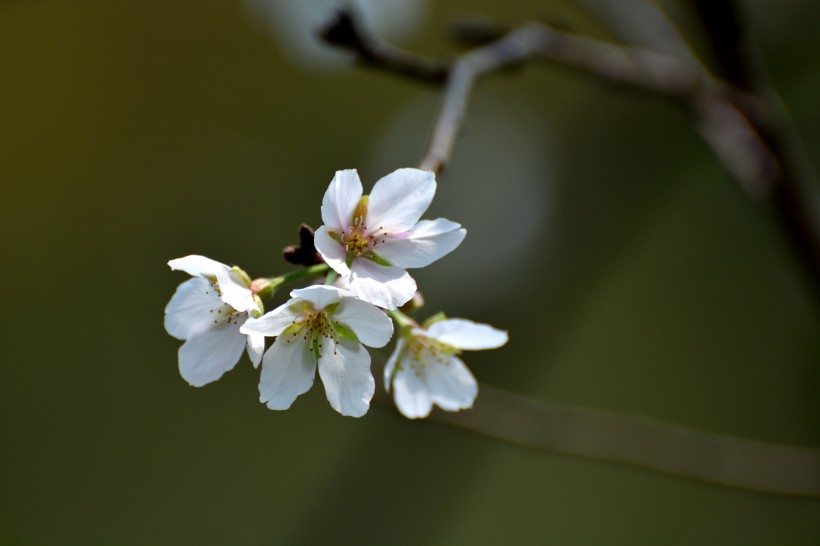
column 314, row 327
column 223, row 313
column 423, row 352
column 359, row 242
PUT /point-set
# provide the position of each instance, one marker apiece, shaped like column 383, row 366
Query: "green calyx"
column 438, row 317
column 239, row 273
column 265, row 288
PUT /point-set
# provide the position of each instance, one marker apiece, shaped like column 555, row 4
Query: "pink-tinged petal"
column 340, row 199
column 320, row 295
column 369, row 323
column 386, row 286
column 399, row 199
column 426, row 243
column 288, row 369
column 467, row 335
column 205, row 357
column 273, row 323
column 392, row 362
column 451, row 385
column 198, row 266
column 410, row 394
column 235, row 292
column 191, row 309
column 345, row 372
column 256, row 346
column 331, row 251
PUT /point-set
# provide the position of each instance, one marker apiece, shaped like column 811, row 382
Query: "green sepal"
column 266, row 288
column 260, row 307
column 438, row 317
column 239, row 272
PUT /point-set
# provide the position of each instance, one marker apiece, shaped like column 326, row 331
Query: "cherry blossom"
column 371, row 240
column 207, row 312
column 324, row 327
column 425, row 369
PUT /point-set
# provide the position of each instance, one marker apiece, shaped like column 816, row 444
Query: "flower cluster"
column 367, row 243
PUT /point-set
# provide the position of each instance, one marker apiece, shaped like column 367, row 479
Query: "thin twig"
column 345, row 31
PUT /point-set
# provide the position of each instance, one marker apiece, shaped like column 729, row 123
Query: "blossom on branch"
column 207, row 312
column 321, row 326
column 425, row 369
column 371, row 240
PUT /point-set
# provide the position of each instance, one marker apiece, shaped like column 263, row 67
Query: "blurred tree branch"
column 640, row 442
column 734, row 120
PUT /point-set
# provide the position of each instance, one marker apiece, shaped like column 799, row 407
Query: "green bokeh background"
column 632, row 274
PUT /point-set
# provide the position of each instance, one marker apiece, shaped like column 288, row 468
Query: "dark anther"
column 304, row 253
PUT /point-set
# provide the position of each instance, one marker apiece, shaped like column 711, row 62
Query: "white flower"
column 324, row 326
column 425, row 369
column 207, row 311
column 371, row 240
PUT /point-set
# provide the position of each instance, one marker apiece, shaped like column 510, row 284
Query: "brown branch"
column 724, row 117
column 345, row 31
column 793, row 195
column 727, row 118
column 640, row 442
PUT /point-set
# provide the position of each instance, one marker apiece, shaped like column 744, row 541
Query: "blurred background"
column 632, row 273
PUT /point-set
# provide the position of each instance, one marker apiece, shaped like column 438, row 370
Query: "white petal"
column 256, row 346
column 320, row 295
column 273, row 323
column 391, row 363
column 426, row 243
column 205, row 357
column 198, row 266
column 385, row 286
column 411, row 395
column 345, row 372
column 340, row 199
column 331, row 251
column 451, row 385
column 189, row 311
column 369, row 323
column 399, row 199
column 467, row 335
column 288, row 369
column 234, row 291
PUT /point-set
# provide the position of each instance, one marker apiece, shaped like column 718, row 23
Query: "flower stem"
column 402, row 320
column 265, row 288
column 331, row 277
column 314, row 270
